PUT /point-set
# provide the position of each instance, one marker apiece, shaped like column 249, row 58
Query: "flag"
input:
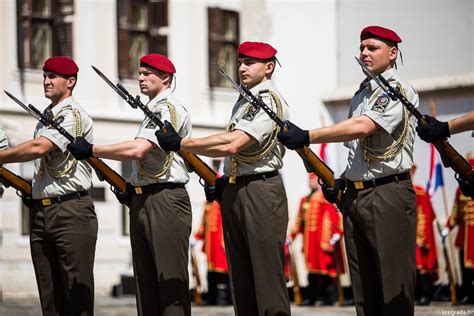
column 322, row 152
column 436, row 172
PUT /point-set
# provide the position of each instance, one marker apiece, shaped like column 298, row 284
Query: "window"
column 142, row 29
column 223, row 44
column 44, row 30
column 126, row 174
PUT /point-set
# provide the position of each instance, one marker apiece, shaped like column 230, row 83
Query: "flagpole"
column 434, row 113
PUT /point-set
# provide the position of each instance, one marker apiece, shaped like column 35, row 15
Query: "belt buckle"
column 138, row 190
column 46, row 202
column 232, row 180
column 359, row 185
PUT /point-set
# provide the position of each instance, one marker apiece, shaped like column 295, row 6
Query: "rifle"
column 449, row 271
column 103, row 171
column 312, row 162
column 200, row 167
column 197, row 277
column 450, row 157
column 8, row 178
column 296, row 282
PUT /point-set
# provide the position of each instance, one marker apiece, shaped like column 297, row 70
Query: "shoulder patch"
column 381, row 103
column 251, row 113
column 150, row 125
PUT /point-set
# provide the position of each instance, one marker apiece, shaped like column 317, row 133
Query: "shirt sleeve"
column 3, row 140
column 66, row 120
column 256, row 122
column 385, row 112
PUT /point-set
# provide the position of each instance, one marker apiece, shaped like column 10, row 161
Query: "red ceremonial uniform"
column 462, row 215
column 319, row 220
column 426, row 255
column 211, row 231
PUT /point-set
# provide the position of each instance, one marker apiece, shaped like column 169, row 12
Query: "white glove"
column 334, row 239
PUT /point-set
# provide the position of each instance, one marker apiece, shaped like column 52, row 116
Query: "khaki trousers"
column 62, row 241
column 380, row 236
column 160, row 225
column 255, row 220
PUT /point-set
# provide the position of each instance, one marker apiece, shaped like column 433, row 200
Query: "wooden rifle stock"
column 108, row 174
column 200, row 167
column 197, row 277
column 319, row 168
column 298, row 298
column 15, row 181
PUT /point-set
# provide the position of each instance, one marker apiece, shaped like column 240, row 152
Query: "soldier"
column 436, row 130
column 320, row 224
column 254, row 205
column 63, row 223
column 379, row 200
column 462, row 215
column 210, row 230
column 426, row 254
column 160, row 210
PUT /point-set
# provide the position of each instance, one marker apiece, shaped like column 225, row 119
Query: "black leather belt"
column 361, row 185
column 58, row 199
column 254, row 177
column 155, row 187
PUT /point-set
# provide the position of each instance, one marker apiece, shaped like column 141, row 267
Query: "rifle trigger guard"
column 202, row 183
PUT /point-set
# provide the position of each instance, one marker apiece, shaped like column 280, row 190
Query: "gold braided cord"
column 169, row 156
column 396, row 147
column 66, row 167
column 268, row 146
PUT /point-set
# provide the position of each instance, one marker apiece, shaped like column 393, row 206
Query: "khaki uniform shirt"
column 152, row 164
column 58, row 173
column 374, row 103
column 255, row 122
column 3, row 139
column 3, row 146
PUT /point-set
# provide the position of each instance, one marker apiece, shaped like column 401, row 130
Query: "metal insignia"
column 251, row 112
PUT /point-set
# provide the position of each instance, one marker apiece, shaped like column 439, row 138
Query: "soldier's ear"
column 269, row 67
column 393, row 53
column 71, row 82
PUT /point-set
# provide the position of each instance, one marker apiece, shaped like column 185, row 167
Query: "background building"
column 316, row 41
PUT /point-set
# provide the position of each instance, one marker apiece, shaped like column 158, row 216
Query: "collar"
column 264, row 85
column 372, row 85
column 163, row 95
column 61, row 105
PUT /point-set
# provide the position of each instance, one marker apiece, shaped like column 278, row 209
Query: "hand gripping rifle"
column 449, row 270
column 8, row 178
column 200, row 167
column 312, row 162
column 450, row 157
column 103, row 171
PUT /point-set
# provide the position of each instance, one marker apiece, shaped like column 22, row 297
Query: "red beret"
column 471, row 161
column 380, row 32
column 159, row 62
column 256, row 50
column 61, row 65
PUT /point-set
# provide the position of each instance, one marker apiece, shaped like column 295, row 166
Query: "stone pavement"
column 125, row 306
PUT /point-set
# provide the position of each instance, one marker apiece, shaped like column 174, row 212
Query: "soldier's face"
column 57, row 87
column 253, row 72
column 377, row 55
column 151, row 81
